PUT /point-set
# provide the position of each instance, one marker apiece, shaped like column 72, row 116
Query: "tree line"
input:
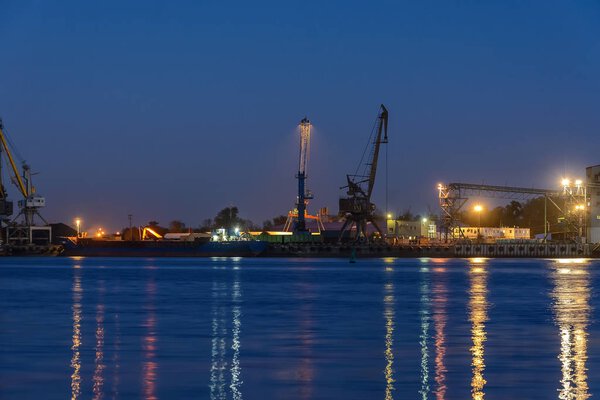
column 228, row 218
column 529, row 214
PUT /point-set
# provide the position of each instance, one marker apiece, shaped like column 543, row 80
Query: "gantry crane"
column 29, row 205
column 357, row 207
column 297, row 218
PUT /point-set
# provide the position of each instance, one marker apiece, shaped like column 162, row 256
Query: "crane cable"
column 386, row 181
column 12, row 150
column 369, row 143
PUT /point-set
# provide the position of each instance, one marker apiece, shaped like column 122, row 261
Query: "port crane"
column 297, row 218
column 357, row 207
column 29, row 205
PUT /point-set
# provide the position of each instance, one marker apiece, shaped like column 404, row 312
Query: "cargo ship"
column 202, row 246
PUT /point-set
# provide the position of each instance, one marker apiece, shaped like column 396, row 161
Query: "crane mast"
column 357, row 207
column 303, row 193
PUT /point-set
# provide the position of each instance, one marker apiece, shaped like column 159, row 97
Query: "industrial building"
column 485, row 232
column 412, row 230
column 593, row 184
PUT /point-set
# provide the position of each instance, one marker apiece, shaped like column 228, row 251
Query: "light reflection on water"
column 219, row 336
column 384, row 328
column 98, row 378
column 150, row 344
column 571, row 307
column 440, row 298
column 389, row 314
column 116, row 357
column 236, row 370
column 306, row 371
column 478, row 306
column 424, row 336
column 77, row 316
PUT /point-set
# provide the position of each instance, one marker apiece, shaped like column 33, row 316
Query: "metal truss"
column 453, row 196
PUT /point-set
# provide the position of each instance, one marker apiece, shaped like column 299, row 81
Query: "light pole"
column 78, row 224
column 478, row 209
column 580, row 209
column 130, row 216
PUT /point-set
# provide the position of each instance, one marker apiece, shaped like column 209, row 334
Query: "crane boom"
column 382, row 125
column 357, row 207
column 20, row 183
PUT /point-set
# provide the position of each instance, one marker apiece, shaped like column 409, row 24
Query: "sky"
column 175, row 110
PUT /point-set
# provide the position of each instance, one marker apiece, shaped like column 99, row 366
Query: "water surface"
column 102, row 328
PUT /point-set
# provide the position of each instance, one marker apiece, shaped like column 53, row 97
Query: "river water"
column 102, row 328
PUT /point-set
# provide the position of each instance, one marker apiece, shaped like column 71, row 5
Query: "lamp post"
column 478, row 209
column 130, row 216
column 580, row 209
column 390, row 226
column 78, row 224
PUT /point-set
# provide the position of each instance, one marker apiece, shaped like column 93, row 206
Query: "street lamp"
column 78, row 224
column 478, row 209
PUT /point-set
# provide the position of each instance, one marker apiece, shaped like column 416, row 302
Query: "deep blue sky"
column 176, row 109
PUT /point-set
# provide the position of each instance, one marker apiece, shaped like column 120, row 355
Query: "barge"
column 85, row 247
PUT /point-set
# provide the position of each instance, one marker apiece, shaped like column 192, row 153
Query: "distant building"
column 471, row 232
column 411, row 229
column 593, row 191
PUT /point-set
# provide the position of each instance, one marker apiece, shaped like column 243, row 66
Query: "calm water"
column 298, row 329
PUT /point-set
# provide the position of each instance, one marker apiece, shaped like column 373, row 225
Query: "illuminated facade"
column 471, row 232
column 411, row 229
column 593, row 183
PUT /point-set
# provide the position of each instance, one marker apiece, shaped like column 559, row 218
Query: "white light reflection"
column 236, row 381
column 424, row 336
column 575, row 261
column 77, row 317
column 389, row 314
column 571, row 306
column 98, row 378
column 116, row 357
column 440, row 299
column 218, row 348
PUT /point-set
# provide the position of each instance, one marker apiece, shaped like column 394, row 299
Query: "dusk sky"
column 174, row 110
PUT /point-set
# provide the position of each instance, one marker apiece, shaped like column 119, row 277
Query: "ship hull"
column 97, row 248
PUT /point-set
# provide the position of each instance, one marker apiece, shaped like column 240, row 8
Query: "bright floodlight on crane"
column 303, row 193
